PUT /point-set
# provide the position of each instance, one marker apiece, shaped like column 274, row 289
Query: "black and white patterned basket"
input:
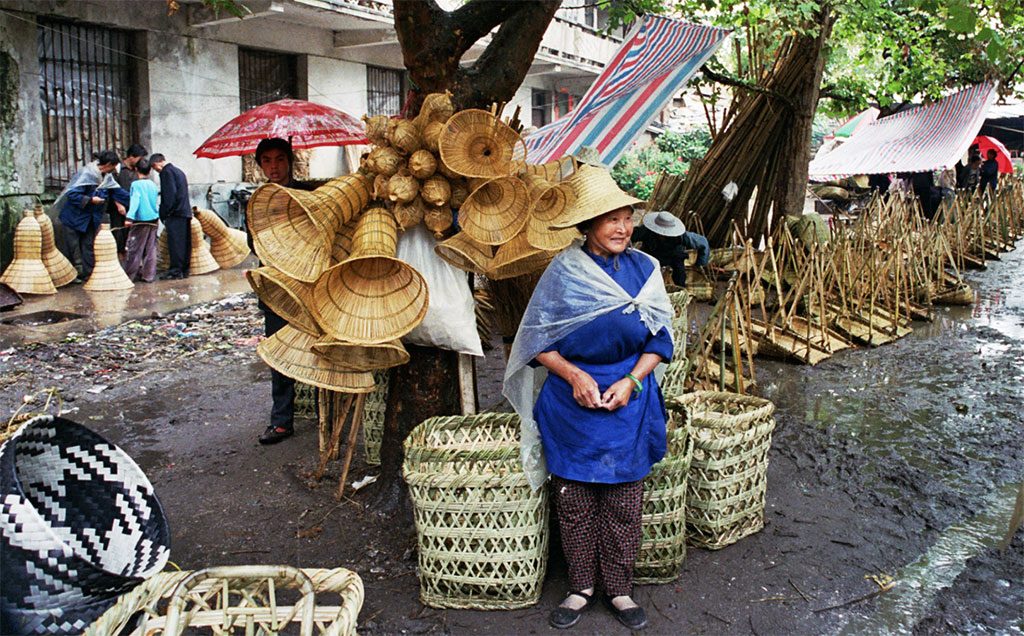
column 79, row 523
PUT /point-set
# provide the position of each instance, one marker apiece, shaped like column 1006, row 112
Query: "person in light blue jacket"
column 143, row 215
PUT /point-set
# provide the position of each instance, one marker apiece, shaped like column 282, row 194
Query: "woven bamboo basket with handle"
column 482, row 531
column 727, row 481
column 241, row 599
column 374, row 409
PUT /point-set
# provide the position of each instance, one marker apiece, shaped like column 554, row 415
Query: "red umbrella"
column 1002, row 154
column 305, row 124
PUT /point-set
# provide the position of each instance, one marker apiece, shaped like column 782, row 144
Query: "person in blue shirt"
column 84, row 206
column 142, row 218
column 663, row 236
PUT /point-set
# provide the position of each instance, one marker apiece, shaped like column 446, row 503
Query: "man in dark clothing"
column 176, row 215
column 664, row 237
column 275, row 158
column 83, row 208
column 923, row 185
column 879, row 182
column 124, row 178
column 989, row 174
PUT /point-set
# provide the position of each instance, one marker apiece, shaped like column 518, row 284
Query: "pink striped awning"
column 923, row 139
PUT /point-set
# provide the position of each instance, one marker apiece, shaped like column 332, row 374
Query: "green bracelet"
column 639, row 387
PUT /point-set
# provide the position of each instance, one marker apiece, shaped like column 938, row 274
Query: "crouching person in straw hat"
column 275, row 157
column 598, row 325
column 664, row 237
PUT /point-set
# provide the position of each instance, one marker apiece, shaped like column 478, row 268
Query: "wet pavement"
column 899, row 463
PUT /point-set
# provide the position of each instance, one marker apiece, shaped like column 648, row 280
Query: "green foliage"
column 638, row 170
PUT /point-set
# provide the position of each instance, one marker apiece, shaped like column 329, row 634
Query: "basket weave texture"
column 728, row 474
column 373, row 417
column 482, row 531
column 305, row 400
column 663, row 520
column 27, row 274
column 237, row 599
column 201, row 260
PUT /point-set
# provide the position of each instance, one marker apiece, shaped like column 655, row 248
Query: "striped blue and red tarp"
column 655, row 61
column 923, row 139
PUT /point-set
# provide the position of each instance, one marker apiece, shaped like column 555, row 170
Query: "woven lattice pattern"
column 475, row 143
column 547, row 202
column 496, row 211
column 663, row 546
column 60, row 268
column 482, row 531
column 27, row 273
column 290, row 351
column 239, row 599
column 305, row 400
column 357, row 357
column 680, row 305
column 201, row 260
column 286, row 297
column 518, row 257
column 227, row 245
column 728, row 474
column 373, row 417
column 465, row 253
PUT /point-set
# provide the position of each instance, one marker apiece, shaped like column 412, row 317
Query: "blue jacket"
column 79, row 213
column 174, row 200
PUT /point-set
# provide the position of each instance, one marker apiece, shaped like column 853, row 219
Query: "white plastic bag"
column 451, row 315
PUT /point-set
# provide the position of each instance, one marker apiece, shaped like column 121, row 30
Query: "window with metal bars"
column 87, row 94
column 266, row 76
column 385, row 91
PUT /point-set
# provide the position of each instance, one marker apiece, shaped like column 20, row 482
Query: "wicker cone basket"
column 548, row 201
column 482, row 532
column 371, row 297
column 496, row 211
column 727, row 481
column 62, row 272
column 228, row 246
column 362, row 357
column 374, row 409
column 517, row 258
column 27, row 273
column 342, row 246
column 475, row 143
column 238, row 598
column 201, row 261
column 552, row 171
column 286, row 297
column 466, row 254
column 663, row 543
column 107, row 274
column 290, row 351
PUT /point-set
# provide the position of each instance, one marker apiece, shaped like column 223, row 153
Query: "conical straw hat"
column 201, row 261
column 293, row 230
column 495, row 211
column 61, row 270
column 290, row 351
column 553, row 171
column 475, row 143
column 548, row 202
column 371, row 297
column 596, row 194
column 163, row 255
column 286, row 297
column 518, row 257
column 107, row 274
column 228, row 245
column 27, row 274
column 362, row 357
column 465, row 253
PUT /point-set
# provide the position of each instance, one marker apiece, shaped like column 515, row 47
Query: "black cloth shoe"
column 635, row 618
column 275, row 434
column 564, row 617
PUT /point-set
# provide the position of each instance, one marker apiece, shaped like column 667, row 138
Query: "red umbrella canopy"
column 305, row 124
column 1002, row 154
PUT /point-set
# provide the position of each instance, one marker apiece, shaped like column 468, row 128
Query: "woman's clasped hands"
column 588, row 395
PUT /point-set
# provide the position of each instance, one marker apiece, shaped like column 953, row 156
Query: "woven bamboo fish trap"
column 305, row 400
column 673, row 382
column 228, row 246
column 496, row 211
column 475, row 143
column 27, row 273
column 663, row 520
column 516, row 258
column 728, row 474
column 680, row 301
column 371, row 297
column 286, row 297
column 553, row 171
column 342, row 246
column 201, row 261
column 107, row 274
column 62, row 272
column 290, row 351
column 249, row 599
column 362, row 357
column 409, row 215
column 548, row 201
column 465, row 253
column 482, row 531
column 374, row 408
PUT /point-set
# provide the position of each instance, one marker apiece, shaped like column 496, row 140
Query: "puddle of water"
column 36, row 318
column 917, row 584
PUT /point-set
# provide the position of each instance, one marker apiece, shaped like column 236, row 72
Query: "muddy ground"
column 894, row 462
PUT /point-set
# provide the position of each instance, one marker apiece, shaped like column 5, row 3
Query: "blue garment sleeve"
column 661, row 344
column 133, row 207
column 79, row 197
column 697, row 242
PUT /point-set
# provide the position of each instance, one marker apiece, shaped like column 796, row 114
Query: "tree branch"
column 744, row 84
column 477, row 18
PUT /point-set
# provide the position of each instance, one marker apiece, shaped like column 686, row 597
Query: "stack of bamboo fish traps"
column 107, row 274
column 27, row 273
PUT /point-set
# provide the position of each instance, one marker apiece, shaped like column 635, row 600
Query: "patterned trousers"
column 601, row 532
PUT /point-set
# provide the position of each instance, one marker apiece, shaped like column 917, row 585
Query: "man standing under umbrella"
column 176, row 215
column 275, row 158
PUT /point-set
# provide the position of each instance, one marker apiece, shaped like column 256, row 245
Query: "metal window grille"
column 385, row 91
column 266, row 76
column 87, row 95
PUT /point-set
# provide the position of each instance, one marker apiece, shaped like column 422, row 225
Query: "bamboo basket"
column 238, row 599
column 728, row 474
column 674, row 381
column 663, row 543
column 305, row 400
column 482, row 532
column 373, row 418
